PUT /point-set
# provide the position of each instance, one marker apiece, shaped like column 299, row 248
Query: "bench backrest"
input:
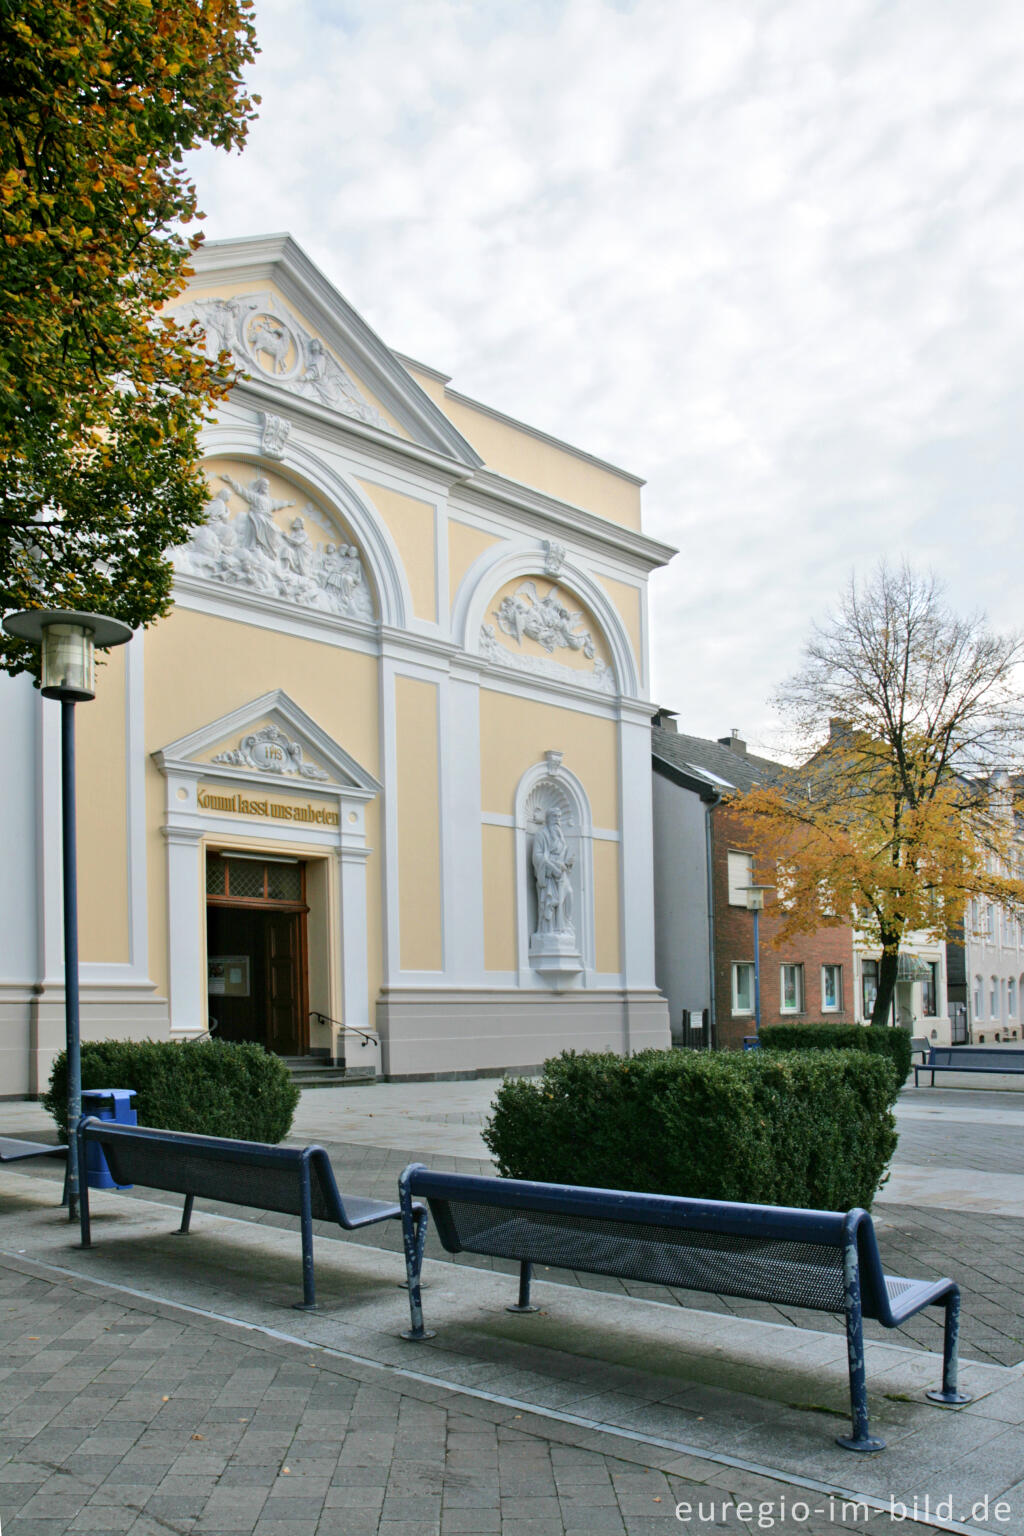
column 975, row 1056
column 216, row 1168
column 764, row 1253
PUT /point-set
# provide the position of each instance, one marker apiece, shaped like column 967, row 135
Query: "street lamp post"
column 68, row 640
column 755, row 904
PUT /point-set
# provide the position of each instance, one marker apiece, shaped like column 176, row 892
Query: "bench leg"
column 308, row 1302
column 83, row 1210
column 861, row 1439
column 414, row 1237
column 186, row 1216
column 950, row 1397
column 525, row 1276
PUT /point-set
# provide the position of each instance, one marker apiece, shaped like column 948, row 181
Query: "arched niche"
column 554, row 872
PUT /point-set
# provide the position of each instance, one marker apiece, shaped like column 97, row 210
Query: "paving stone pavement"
column 126, row 1415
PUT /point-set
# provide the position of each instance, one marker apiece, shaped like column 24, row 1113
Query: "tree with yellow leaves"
column 100, row 399
column 910, row 806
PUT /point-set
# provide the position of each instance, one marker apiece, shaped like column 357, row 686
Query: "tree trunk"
column 886, row 980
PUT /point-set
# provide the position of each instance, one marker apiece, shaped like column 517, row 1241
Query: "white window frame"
column 837, row 1006
column 798, row 972
column 742, row 965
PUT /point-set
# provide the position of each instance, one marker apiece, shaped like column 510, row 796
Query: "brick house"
column 704, row 933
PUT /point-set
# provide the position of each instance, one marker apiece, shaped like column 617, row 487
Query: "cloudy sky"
column 765, row 253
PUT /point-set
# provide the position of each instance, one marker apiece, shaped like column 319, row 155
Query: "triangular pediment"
column 291, row 332
column 272, row 742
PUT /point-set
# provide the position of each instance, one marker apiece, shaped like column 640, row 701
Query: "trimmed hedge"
column 877, row 1039
column 214, row 1089
column 813, row 1129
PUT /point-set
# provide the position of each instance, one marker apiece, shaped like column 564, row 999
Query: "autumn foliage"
column 100, row 400
column 906, row 810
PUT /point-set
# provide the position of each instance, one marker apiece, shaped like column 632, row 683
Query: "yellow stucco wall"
column 547, row 467
column 103, row 932
column 199, row 667
column 411, row 524
column 514, row 735
column 499, row 854
column 465, row 545
column 607, row 950
column 627, row 601
column 419, row 838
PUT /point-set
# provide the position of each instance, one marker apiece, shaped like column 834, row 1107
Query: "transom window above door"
column 254, row 878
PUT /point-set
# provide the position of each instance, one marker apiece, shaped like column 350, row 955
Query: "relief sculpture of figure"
column 296, row 548
column 256, row 529
column 213, row 539
column 552, row 862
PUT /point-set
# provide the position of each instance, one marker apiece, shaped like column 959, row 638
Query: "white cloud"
column 763, row 252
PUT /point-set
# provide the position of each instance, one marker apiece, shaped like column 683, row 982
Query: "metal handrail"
column 323, row 1018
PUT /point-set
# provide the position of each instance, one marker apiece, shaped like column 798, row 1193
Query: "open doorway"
column 256, row 949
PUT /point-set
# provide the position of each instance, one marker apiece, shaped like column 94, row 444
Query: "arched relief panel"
column 560, row 625
column 302, row 477
column 265, row 535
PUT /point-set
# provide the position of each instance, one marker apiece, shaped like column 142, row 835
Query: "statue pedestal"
column 555, row 953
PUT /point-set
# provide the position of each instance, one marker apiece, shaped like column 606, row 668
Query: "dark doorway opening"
column 257, row 968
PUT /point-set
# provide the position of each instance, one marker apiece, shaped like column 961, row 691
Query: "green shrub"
column 878, row 1039
column 812, row 1129
column 214, row 1089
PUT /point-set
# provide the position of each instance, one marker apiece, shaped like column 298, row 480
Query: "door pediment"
column 273, row 743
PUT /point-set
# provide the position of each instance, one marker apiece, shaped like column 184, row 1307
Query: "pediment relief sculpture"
column 252, row 551
column 266, row 343
column 271, row 750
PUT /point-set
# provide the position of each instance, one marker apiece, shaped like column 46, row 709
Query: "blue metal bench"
column 971, row 1058
column 819, row 1259
column 296, row 1181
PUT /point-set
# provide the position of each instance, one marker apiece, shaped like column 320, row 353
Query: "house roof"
column 708, row 763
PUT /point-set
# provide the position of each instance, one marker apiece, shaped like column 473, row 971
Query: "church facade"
column 379, row 787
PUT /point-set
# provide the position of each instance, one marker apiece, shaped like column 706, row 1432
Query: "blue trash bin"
column 105, row 1104
column 751, row 1043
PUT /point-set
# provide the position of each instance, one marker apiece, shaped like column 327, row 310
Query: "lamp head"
column 68, row 641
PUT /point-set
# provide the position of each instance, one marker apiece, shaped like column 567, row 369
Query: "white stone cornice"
column 330, row 425
column 541, row 512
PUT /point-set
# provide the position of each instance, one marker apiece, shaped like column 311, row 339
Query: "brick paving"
column 127, row 1415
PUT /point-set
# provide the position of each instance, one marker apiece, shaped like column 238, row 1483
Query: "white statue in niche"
column 552, row 864
column 255, row 528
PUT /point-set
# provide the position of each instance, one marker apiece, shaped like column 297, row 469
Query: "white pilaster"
column 636, row 822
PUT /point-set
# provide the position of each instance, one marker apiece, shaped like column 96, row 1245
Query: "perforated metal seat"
column 825, row 1260
column 292, row 1181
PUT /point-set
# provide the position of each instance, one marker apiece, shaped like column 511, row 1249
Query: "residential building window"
column 975, row 915
column 993, row 998
column 1011, row 998
column 990, row 923
column 831, row 988
column 743, row 989
column 791, row 989
column 869, row 987
column 979, row 998
column 930, row 991
column 741, row 874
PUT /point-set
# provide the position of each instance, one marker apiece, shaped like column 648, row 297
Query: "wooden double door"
column 257, row 983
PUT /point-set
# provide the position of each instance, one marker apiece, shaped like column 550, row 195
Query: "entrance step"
column 320, row 1072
